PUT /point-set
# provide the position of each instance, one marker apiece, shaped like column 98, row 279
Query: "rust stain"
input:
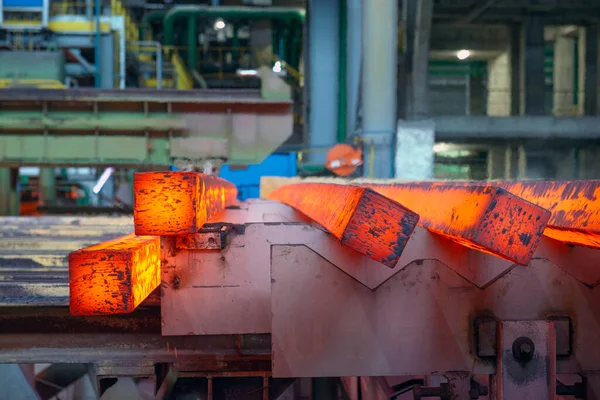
column 371, row 224
column 115, row 276
column 574, row 206
column 175, row 203
column 482, row 217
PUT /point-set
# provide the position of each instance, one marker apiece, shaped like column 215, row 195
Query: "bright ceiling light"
column 463, row 54
column 219, row 24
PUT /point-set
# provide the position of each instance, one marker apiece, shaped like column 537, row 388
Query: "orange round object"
column 343, row 159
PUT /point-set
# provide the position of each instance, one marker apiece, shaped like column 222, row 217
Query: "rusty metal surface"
column 175, row 203
column 419, row 321
column 526, row 361
column 485, row 218
column 115, row 276
column 360, row 218
column 34, row 254
column 50, row 334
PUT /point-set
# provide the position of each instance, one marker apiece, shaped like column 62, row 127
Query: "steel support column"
column 47, row 186
column 533, row 80
column 323, row 43
column 591, row 71
column 380, row 22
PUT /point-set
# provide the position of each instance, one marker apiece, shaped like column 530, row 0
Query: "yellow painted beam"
column 77, row 26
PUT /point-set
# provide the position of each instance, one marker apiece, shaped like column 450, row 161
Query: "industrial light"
column 440, row 147
column 219, row 24
column 103, row 178
column 247, row 72
column 277, row 67
column 463, row 54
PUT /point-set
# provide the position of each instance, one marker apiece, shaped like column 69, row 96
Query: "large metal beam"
column 114, row 277
column 485, row 218
column 479, row 9
column 534, row 127
column 66, row 127
column 176, row 203
column 360, row 218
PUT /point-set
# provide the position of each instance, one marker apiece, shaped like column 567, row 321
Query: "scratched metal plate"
column 325, row 323
column 33, row 254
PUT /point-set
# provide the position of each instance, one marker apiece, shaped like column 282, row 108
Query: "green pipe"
column 147, row 20
column 192, row 43
column 284, row 14
column 342, row 66
column 236, row 44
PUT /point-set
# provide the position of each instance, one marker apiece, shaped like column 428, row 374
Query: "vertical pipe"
column 88, row 9
column 159, row 66
column 192, row 43
column 353, row 61
column 342, row 70
column 236, row 44
column 98, row 78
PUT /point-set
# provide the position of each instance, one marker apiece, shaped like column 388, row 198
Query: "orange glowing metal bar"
column 575, row 208
column 485, row 218
column 114, row 277
column 371, row 224
column 174, row 203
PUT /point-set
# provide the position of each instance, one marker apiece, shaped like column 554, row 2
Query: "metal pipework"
column 193, row 12
column 159, row 63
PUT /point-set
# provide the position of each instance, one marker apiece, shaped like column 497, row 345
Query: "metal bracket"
column 525, row 354
column 460, row 386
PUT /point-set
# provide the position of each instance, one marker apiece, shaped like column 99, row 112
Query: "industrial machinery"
column 449, row 290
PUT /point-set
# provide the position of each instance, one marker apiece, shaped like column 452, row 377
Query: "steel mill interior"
column 299, row 199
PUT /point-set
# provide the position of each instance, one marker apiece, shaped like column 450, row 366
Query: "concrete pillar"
column 380, row 22
column 564, row 75
column 323, row 32
column 499, row 86
column 533, row 66
column 47, row 186
column 354, row 52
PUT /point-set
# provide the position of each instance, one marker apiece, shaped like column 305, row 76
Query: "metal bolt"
column 523, row 349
